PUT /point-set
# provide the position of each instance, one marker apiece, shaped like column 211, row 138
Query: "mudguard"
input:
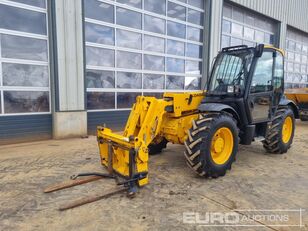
column 286, row 102
column 217, row 107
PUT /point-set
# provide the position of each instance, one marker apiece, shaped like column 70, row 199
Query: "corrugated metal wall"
column 15, row 129
column 292, row 12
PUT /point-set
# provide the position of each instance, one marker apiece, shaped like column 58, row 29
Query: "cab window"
column 278, row 72
column 262, row 76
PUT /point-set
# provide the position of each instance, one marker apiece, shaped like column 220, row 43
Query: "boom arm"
column 150, row 120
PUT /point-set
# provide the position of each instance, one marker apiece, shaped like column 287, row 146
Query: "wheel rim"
column 222, row 145
column 287, row 129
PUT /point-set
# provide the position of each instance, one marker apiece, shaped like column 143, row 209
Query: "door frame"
column 270, row 93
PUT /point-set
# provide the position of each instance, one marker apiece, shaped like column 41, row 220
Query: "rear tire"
column 156, row 148
column 303, row 118
column 279, row 138
column 210, row 136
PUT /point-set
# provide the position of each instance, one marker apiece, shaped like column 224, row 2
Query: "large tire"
column 201, row 154
column 275, row 141
column 156, row 148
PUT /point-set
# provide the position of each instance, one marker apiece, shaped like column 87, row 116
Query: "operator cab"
column 248, row 79
column 247, row 82
column 230, row 72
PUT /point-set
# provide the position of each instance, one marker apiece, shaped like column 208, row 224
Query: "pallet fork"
column 127, row 186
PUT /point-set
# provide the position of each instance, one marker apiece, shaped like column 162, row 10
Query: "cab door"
column 260, row 97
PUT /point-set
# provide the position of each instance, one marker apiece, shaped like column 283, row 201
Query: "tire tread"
column 195, row 144
column 273, row 142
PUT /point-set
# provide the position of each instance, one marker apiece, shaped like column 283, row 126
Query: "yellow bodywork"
column 275, row 48
column 150, row 121
column 299, row 95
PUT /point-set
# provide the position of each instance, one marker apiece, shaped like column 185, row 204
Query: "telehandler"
column 244, row 101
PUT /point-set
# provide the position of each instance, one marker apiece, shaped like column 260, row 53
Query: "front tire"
column 280, row 136
column 156, row 148
column 212, row 144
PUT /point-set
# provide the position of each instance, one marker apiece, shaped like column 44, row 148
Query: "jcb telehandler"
column 244, row 101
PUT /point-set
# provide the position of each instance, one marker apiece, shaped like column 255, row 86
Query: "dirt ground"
column 257, row 181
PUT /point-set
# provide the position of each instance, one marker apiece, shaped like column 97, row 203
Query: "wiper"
column 238, row 77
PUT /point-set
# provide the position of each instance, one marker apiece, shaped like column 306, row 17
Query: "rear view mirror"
column 259, row 50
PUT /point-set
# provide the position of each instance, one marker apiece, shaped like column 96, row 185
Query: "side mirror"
column 259, row 50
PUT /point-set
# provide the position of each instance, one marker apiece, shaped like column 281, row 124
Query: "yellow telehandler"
column 244, row 101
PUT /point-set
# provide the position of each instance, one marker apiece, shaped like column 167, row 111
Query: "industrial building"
column 67, row 66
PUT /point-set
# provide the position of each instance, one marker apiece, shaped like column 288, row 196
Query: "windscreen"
column 230, row 69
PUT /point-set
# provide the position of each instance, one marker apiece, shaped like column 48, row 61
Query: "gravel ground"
column 256, row 181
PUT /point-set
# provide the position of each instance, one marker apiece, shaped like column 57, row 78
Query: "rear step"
column 259, row 138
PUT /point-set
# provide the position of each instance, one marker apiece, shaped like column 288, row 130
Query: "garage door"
column 136, row 47
column 24, row 71
column 296, row 59
column 241, row 26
